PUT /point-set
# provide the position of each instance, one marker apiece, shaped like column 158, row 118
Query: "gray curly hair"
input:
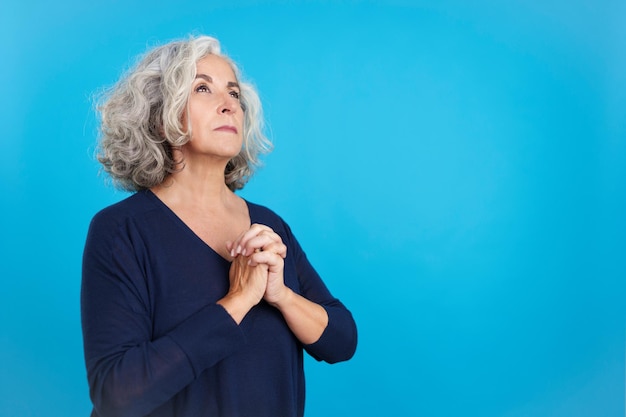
column 141, row 118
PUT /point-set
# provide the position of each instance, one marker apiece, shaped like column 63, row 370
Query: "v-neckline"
column 171, row 214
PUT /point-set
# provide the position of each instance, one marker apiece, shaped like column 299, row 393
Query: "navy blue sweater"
column 157, row 344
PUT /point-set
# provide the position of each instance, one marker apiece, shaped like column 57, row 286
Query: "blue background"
column 455, row 171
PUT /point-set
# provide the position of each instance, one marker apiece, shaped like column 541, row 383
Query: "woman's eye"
column 234, row 94
column 202, row 89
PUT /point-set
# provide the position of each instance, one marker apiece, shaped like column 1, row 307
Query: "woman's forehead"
column 214, row 64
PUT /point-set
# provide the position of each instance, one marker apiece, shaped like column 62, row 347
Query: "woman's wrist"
column 237, row 305
column 282, row 300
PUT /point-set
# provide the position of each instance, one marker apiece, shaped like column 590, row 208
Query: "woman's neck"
column 196, row 185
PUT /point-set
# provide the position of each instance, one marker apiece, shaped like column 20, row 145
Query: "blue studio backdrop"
column 456, row 171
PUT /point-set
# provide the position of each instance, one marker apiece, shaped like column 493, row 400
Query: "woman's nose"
column 229, row 104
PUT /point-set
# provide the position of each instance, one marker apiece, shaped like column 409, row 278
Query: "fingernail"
column 238, row 248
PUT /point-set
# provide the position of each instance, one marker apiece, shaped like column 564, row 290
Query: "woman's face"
column 214, row 112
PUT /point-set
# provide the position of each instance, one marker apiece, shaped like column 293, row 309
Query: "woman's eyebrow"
column 208, row 79
column 204, row 77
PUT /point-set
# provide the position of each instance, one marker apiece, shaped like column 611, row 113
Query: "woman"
column 194, row 301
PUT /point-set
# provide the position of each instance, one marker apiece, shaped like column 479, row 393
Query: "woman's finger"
column 278, row 248
column 274, row 261
column 264, row 242
column 239, row 243
column 258, row 237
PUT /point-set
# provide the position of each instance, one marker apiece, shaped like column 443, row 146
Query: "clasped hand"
column 258, row 262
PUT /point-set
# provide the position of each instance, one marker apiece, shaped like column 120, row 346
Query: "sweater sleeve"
column 130, row 373
column 339, row 339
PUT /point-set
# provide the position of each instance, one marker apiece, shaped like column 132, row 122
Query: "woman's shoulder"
column 131, row 207
column 263, row 214
column 259, row 209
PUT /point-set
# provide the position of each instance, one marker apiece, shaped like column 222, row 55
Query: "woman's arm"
column 130, row 371
column 261, row 246
column 247, row 286
column 306, row 319
column 316, row 318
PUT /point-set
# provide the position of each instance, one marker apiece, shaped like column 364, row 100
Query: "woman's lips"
column 227, row 128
